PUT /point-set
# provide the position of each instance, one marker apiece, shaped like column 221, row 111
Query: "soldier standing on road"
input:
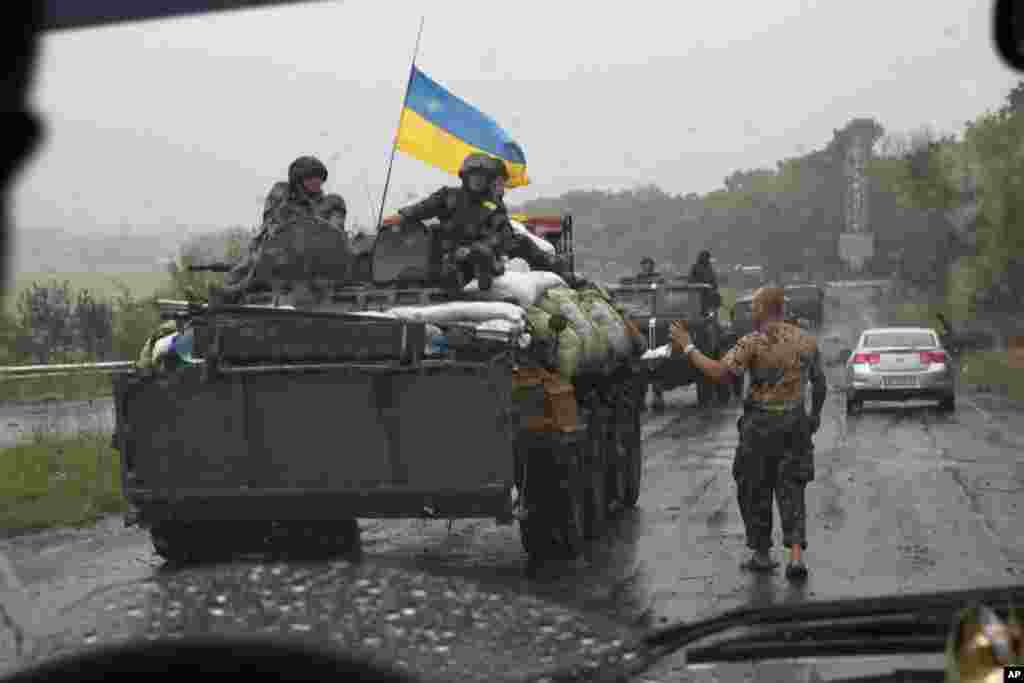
column 474, row 225
column 775, row 455
column 301, row 196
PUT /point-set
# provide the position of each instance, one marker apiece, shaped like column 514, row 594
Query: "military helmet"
column 305, row 167
column 479, row 162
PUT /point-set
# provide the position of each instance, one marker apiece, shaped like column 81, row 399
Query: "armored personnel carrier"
column 303, row 405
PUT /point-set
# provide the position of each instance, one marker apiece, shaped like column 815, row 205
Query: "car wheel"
column 853, row 404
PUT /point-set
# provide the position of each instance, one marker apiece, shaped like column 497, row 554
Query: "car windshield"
column 191, row 444
column 914, row 340
column 636, row 302
column 677, row 300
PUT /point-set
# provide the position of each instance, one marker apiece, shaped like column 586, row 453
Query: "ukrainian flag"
column 441, row 130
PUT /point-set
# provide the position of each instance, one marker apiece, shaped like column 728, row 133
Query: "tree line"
column 944, row 209
column 54, row 323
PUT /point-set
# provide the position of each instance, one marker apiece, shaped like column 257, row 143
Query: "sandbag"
column 500, row 330
column 525, row 288
column 570, row 349
column 540, row 242
column 459, row 311
column 538, row 321
column 517, row 265
column 660, row 352
column 600, row 349
column 606, row 318
column 563, row 301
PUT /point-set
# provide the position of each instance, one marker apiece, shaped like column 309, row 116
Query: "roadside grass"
column 994, row 369
column 58, row 481
column 67, row 387
column 728, row 301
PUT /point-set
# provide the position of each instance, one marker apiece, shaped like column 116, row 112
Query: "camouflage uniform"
column 288, row 201
column 775, row 455
column 470, row 219
column 703, row 273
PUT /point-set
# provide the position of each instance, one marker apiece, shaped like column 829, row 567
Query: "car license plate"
column 904, row 381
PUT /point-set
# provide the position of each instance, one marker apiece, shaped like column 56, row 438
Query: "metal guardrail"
column 13, row 372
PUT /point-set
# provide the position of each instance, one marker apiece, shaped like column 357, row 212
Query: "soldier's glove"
column 815, row 423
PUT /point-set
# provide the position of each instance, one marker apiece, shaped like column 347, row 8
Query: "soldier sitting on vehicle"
column 703, row 273
column 647, row 272
column 301, row 196
column 523, row 247
column 474, row 228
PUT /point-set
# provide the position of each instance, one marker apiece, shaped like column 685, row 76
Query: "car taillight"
column 929, row 357
column 869, row 358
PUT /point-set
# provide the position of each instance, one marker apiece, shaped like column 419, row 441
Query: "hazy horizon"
column 186, row 123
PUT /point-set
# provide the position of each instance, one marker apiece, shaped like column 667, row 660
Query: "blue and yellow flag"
column 440, row 129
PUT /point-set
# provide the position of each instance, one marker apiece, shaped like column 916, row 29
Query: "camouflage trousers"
column 774, row 459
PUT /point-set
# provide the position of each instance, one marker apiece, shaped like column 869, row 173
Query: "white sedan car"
column 899, row 364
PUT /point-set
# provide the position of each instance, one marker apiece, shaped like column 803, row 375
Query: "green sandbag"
column 551, row 302
column 599, row 350
column 564, row 301
column 539, row 321
column 569, row 348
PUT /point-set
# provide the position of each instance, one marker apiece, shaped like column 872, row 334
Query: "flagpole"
column 394, row 144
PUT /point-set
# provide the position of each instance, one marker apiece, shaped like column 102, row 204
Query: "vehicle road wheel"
column 595, row 493
column 184, row 543
column 553, row 528
column 631, row 450
column 948, row 404
column 705, row 392
column 317, row 539
column 853, row 404
column 724, row 392
column 737, row 387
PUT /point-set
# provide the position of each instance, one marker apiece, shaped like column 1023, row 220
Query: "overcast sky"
column 188, row 122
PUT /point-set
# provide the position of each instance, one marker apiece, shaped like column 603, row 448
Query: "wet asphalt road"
column 905, row 499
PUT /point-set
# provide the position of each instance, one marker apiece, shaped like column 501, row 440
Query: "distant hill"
column 40, row 250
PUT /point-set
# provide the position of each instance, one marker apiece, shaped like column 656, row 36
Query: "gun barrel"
column 211, row 268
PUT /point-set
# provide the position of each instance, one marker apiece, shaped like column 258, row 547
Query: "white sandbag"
column 517, row 265
column 455, row 311
column 502, row 325
column 374, row 314
column 526, row 288
column 501, row 330
column 660, row 352
column 541, row 243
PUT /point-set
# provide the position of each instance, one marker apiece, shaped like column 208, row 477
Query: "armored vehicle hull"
column 298, row 415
